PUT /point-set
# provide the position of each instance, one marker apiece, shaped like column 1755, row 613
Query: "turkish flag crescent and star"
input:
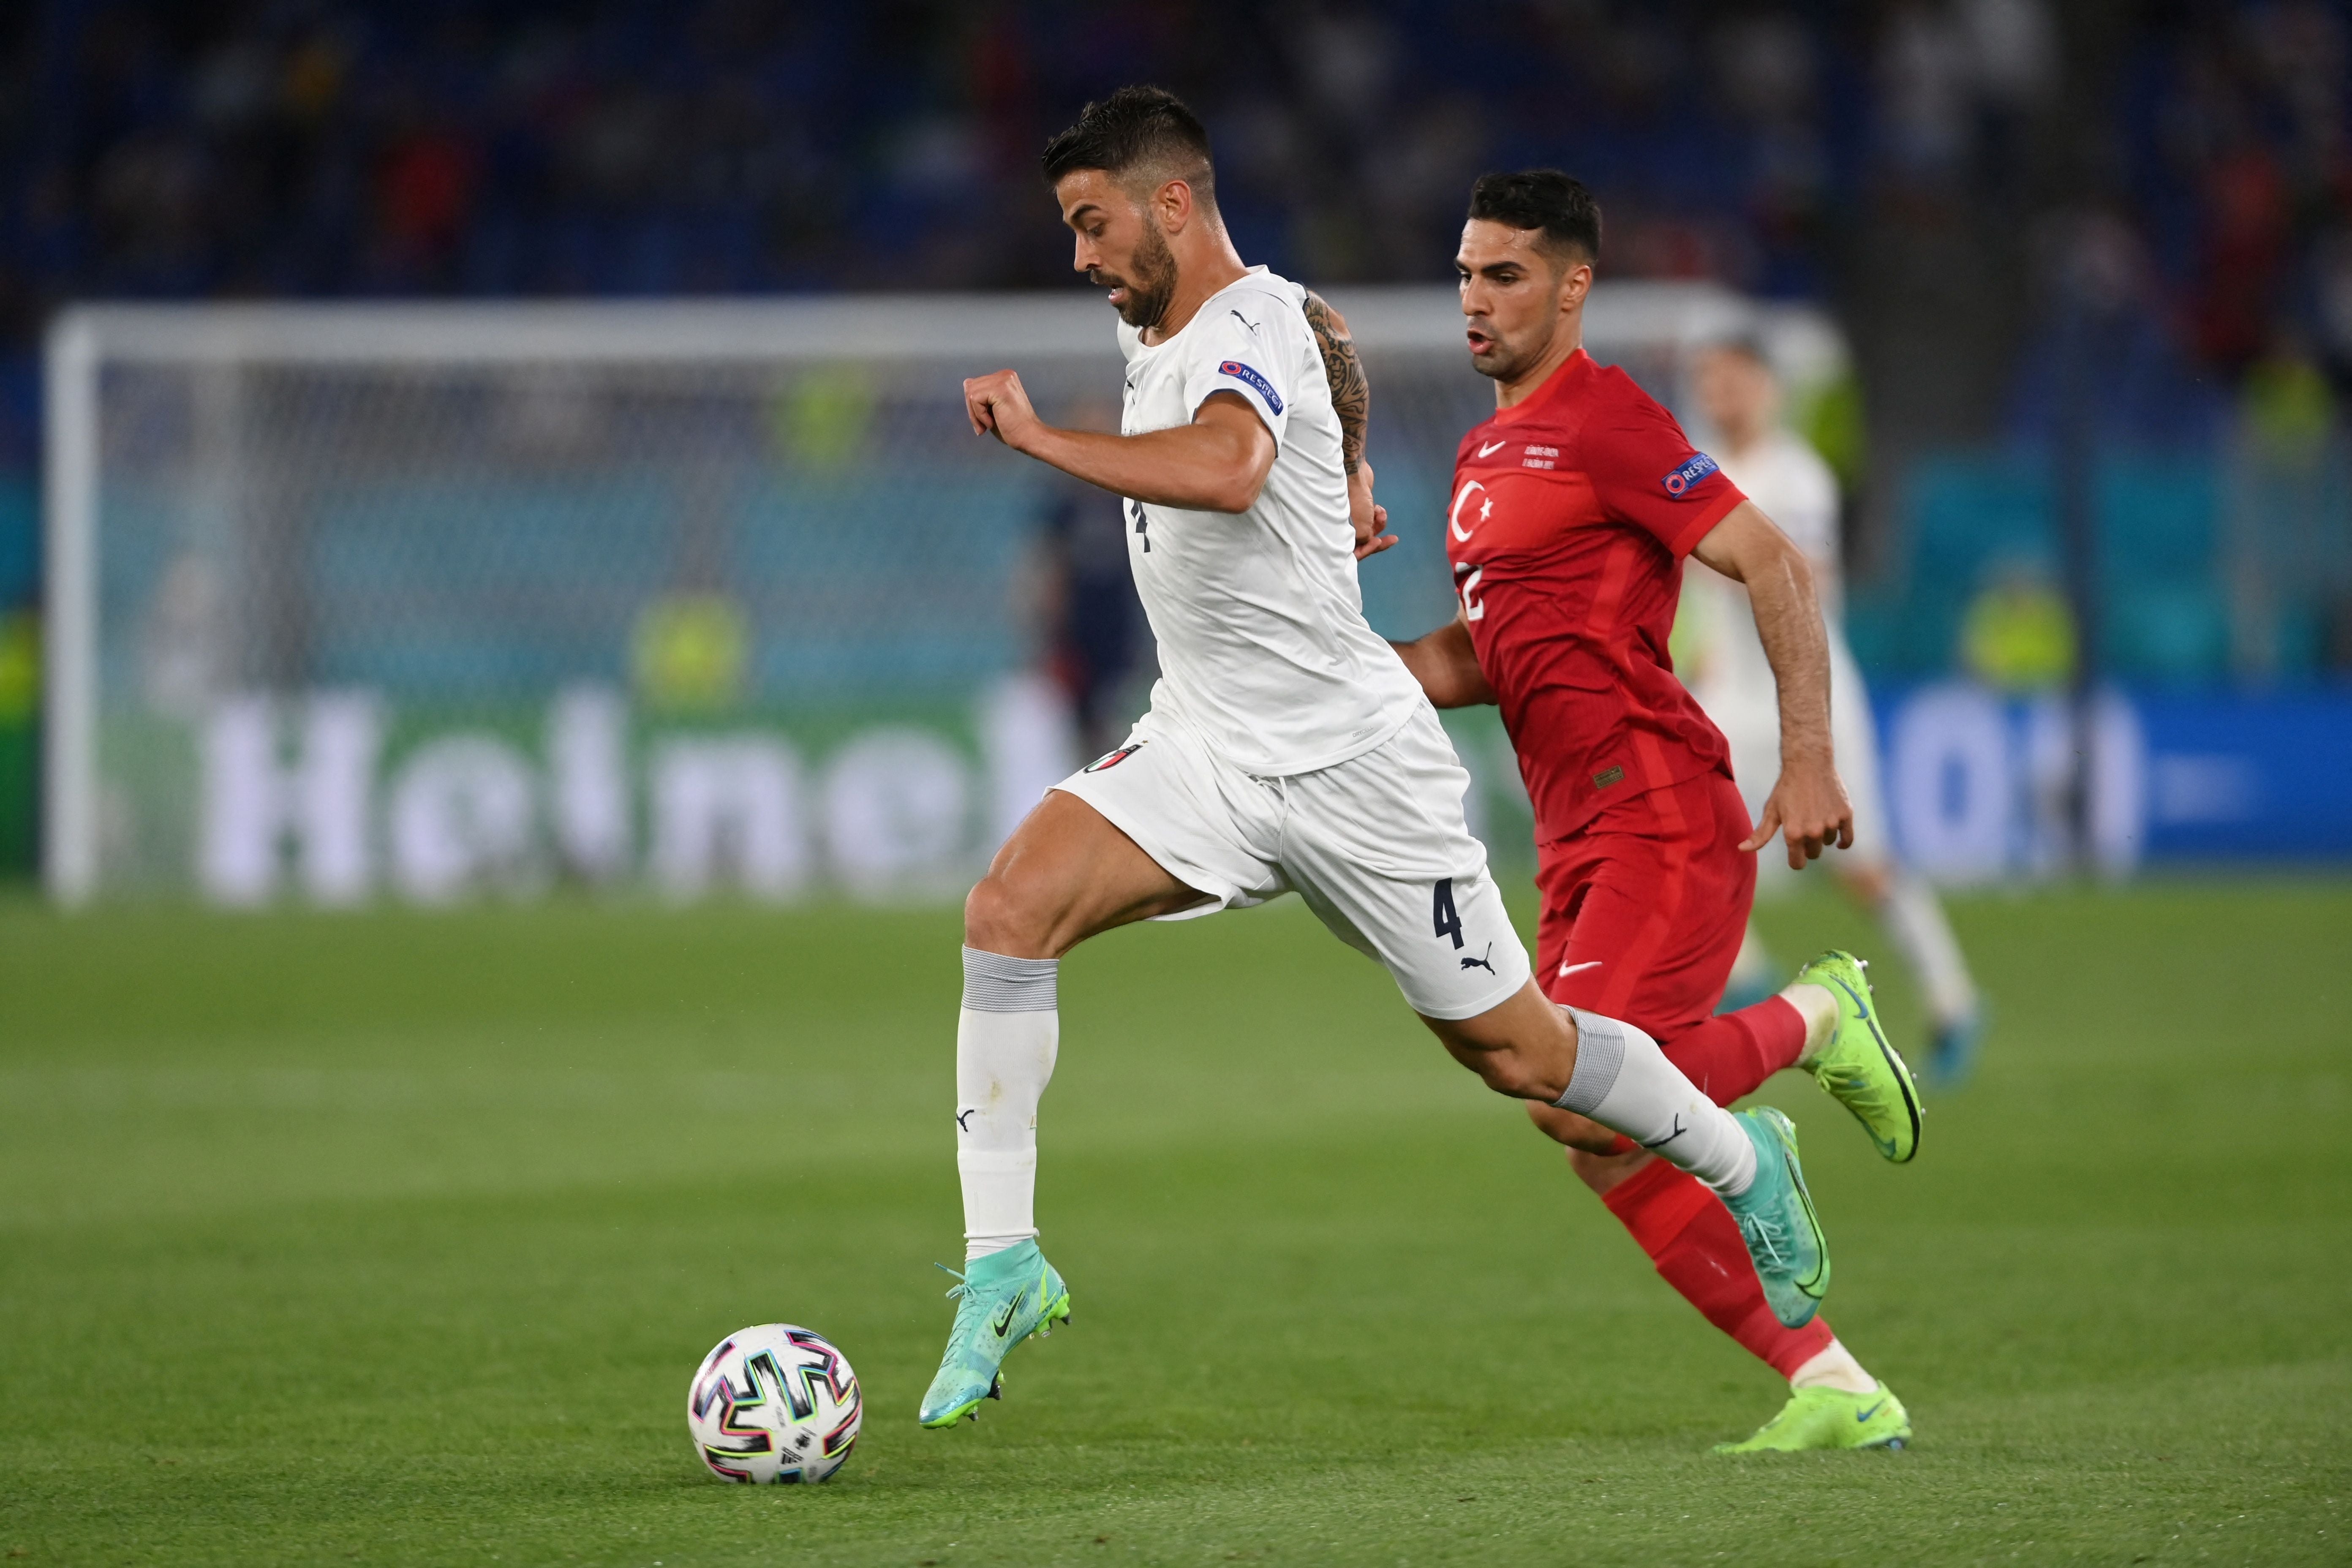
column 1570, row 515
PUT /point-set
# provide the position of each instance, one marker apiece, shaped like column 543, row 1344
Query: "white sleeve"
column 1244, row 351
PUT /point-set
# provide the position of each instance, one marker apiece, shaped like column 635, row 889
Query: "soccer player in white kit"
column 1286, row 749
column 1739, row 395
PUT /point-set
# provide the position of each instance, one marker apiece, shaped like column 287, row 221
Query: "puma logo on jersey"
column 1484, row 962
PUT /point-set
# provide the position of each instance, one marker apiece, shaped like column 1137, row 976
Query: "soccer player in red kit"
column 1572, row 511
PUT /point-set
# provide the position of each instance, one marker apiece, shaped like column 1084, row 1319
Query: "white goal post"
column 446, row 599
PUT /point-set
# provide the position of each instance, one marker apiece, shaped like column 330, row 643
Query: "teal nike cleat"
column 1776, row 1221
column 1830, row 1418
column 1857, row 1067
column 1003, row 1298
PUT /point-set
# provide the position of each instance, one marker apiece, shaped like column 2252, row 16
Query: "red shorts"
column 1644, row 908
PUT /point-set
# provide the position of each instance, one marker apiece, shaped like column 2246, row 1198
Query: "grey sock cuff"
column 995, row 984
column 1600, row 1055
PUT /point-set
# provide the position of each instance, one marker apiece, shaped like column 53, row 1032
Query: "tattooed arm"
column 1352, row 395
column 1351, row 398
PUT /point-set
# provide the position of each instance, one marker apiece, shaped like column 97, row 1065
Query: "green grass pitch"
column 395, row 1238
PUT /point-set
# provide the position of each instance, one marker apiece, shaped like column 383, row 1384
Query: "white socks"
column 1915, row 919
column 1625, row 1083
column 1834, row 1368
column 1010, row 1030
column 1006, row 1038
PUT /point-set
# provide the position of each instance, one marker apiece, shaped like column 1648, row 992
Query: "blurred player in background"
column 1286, row 749
column 1572, row 511
column 1728, row 671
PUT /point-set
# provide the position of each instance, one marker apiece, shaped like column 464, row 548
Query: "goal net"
column 446, row 601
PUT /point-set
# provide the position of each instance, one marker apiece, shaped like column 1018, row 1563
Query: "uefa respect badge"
column 1689, row 474
column 1253, row 381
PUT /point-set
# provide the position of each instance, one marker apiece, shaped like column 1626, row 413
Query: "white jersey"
column 1788, row 480
column 1795, row 489
column 1264, row 650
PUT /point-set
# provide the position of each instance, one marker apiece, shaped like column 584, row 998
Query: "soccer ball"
column 774, row 1403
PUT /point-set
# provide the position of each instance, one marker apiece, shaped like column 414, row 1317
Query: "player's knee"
column 997, row 918
column 1507, row 1072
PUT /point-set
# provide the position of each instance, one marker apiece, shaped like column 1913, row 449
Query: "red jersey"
column 1571, row 515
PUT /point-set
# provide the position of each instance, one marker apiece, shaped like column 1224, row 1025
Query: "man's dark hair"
column 1543, row 199
column 1137, row 131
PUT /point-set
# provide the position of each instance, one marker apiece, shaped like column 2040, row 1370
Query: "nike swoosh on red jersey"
column 1491, row 445
column 1574, row 968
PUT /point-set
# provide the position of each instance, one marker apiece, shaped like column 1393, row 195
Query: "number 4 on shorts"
column 1442, row 912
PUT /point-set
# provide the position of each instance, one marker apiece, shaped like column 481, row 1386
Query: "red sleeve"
column 1645, row 472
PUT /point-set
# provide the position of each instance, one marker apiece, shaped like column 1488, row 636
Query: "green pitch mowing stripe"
column 396, row 1238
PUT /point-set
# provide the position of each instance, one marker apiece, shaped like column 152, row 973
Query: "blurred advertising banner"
column 1981, row 785
column 337, row 797
column 410, row 599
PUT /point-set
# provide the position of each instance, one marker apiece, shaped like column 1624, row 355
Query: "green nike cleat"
column 1003, row 1298
column 1830, row 1418
column 1858, row 1068
column 1776, row 1221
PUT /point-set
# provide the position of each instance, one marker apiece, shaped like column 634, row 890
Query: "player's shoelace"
column 1769, row 1236
column 968, row 1305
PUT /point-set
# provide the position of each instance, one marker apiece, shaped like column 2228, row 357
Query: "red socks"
column 1695, row 1244
column 1688, row 1234
column 1683, row 1226
column 1732, row 1054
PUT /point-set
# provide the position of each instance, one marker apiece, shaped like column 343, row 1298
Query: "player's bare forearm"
column 1217, row 463
column 1207, row 465
column 1352, row 395
column 1446, row 665
column 1808, row 805
column 1789, row 625
column 1747, row 548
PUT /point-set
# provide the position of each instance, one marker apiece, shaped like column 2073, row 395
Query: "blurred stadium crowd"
column 1970, row 185
column 321, row 149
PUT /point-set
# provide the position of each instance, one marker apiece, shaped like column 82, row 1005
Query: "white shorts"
column 1376, row 846
column 1750, row 717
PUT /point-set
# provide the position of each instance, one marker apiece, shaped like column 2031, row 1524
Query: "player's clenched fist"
column 998, row 405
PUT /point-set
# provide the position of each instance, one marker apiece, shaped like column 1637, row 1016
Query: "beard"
column 1153, row 284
